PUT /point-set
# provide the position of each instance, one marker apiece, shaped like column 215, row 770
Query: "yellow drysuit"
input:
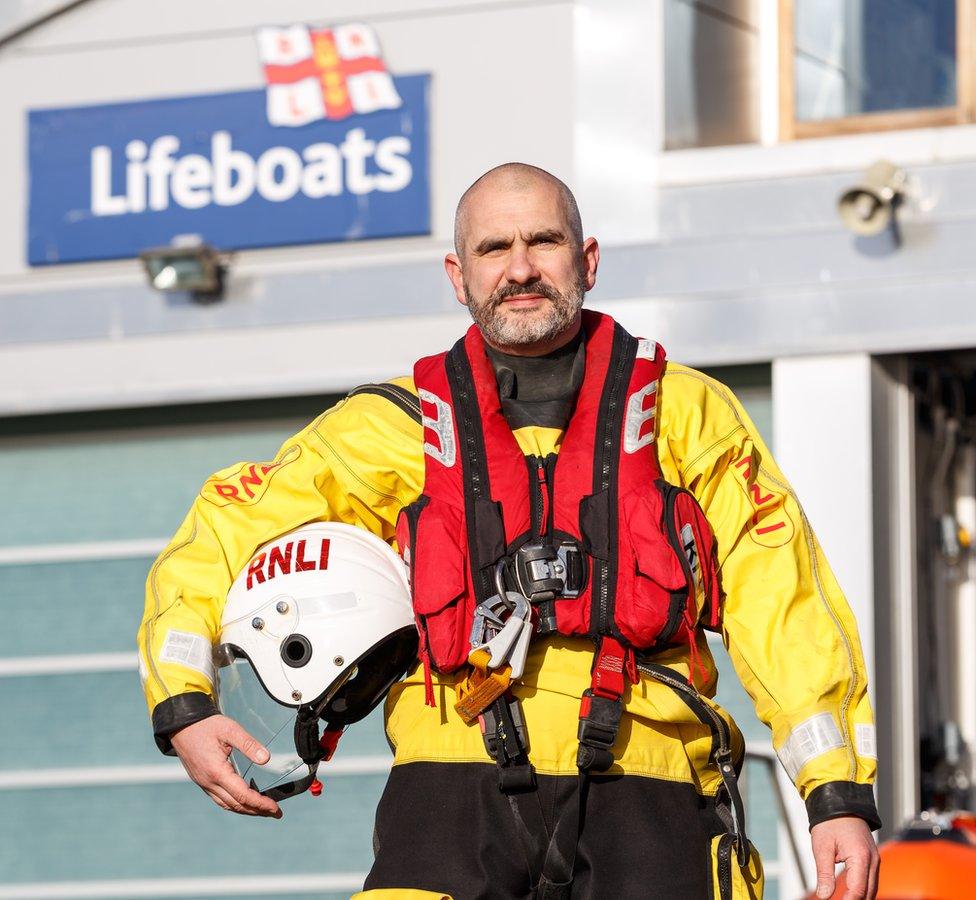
column 788, row 628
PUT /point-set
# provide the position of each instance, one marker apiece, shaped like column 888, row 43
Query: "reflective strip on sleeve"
column 814, row 737
column 187, row 649
column 866, row 739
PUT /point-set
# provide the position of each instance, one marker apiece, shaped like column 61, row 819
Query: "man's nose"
column 520, row 269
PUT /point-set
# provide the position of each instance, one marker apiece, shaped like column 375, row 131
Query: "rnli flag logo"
column 328, row 73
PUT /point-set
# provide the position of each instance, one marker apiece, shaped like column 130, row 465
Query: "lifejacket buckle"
column 599, row 723
column 543, row 572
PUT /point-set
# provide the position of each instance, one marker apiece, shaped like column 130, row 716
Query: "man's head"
column 521, row 265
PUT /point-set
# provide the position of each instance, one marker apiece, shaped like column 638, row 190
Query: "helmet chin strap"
column 312, row 747
column 307, row 736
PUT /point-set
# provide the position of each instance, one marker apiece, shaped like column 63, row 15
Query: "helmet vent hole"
column 296, row 651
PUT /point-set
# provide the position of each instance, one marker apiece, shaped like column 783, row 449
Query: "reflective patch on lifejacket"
column 646, row 349
column 690, row 546
column 445, row 452
column 817, row 735
column 866, row 740
column 187, row 649
column 637, row 417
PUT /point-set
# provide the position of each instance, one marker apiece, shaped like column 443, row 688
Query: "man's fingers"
column 874, row 871
column 857, row 875
column 251, row 747
column 823, row 855
column 223, row 798
column 248, row 798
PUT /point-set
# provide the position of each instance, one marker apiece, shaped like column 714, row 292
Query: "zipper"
column 602, row 594
column 724, row 861
column 541, row 472
column 720, row 727
column 670, row 494
column 398, row 396
column 464, row 405
column 542, row 485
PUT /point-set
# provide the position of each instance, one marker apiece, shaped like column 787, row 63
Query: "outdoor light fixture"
column 868, row 208
column 196, row 269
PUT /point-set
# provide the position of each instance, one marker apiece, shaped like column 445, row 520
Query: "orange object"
column 923, row 870
column 966, row 823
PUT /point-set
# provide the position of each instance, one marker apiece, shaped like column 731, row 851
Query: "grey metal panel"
column 253, row 301
column 876, row 319
column 128, row 20
column 726, row 301
column 942, row 192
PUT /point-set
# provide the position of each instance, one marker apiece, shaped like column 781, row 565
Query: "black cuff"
column 176, row 712
column 843, row 798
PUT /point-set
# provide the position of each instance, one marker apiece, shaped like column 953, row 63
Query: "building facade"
column 707, row 144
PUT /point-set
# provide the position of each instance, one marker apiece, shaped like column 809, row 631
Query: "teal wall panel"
column 102, row 486
column 100, row 719
column 170, row 830
column 77, row 607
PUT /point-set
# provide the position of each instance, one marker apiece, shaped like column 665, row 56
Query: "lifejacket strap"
column 601, row 706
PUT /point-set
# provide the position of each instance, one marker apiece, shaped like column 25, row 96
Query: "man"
column 654, row 824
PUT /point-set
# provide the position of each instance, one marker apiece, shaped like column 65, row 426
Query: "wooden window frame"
column 960, row 114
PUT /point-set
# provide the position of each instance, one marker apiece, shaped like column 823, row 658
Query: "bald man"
column 588, row 761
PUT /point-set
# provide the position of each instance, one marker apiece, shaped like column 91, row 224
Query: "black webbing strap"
column 551, row 855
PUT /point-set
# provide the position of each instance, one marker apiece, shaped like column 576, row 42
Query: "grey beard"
column 517, row 327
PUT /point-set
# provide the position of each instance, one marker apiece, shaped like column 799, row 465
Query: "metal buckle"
column 598, row 726
column 543, row 572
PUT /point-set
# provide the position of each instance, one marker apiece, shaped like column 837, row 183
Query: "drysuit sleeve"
column 358, row 463
column 789, row 630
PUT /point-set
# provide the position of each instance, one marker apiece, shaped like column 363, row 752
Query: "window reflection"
column 868, row 56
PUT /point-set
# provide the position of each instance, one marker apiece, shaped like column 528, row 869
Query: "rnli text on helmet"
column 154, row 173
column 281, row 558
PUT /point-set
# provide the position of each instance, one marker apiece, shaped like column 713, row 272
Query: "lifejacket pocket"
column 652, row 589
column 442, row 601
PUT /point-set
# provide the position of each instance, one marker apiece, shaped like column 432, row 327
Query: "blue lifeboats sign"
column 108, row 181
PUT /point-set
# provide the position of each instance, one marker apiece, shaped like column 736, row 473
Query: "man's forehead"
column 514, row 206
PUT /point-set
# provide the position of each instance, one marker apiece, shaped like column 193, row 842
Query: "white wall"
column 544, row 82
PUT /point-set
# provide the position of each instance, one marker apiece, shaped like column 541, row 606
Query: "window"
column 711, row 65
column 871, row 65
column 758, row 71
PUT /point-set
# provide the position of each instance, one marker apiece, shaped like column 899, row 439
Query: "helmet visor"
column 242, row 697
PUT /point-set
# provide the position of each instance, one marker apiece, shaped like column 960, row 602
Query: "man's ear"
column 591, row 261
column 452, row 265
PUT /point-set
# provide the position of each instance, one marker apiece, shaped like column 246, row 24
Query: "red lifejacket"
column 650, row 572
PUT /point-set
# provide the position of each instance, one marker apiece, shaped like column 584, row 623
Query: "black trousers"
column 446, row 827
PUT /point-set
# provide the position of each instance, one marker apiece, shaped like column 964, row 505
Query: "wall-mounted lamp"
column 869, row 208
column 196, row 269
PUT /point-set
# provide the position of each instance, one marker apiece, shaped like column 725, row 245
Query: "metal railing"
column 766, row 757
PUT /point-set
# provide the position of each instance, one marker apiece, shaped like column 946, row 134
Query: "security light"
column 196, row 269
column 868, row 208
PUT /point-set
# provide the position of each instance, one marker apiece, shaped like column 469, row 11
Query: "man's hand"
column 847, row 840
column 204, row 749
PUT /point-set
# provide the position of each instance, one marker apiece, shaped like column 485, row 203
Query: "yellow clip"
column 481, row 688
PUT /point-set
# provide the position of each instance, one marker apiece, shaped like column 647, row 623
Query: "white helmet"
column 318, row 625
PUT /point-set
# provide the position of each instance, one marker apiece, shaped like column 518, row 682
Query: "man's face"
column 521, row 274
